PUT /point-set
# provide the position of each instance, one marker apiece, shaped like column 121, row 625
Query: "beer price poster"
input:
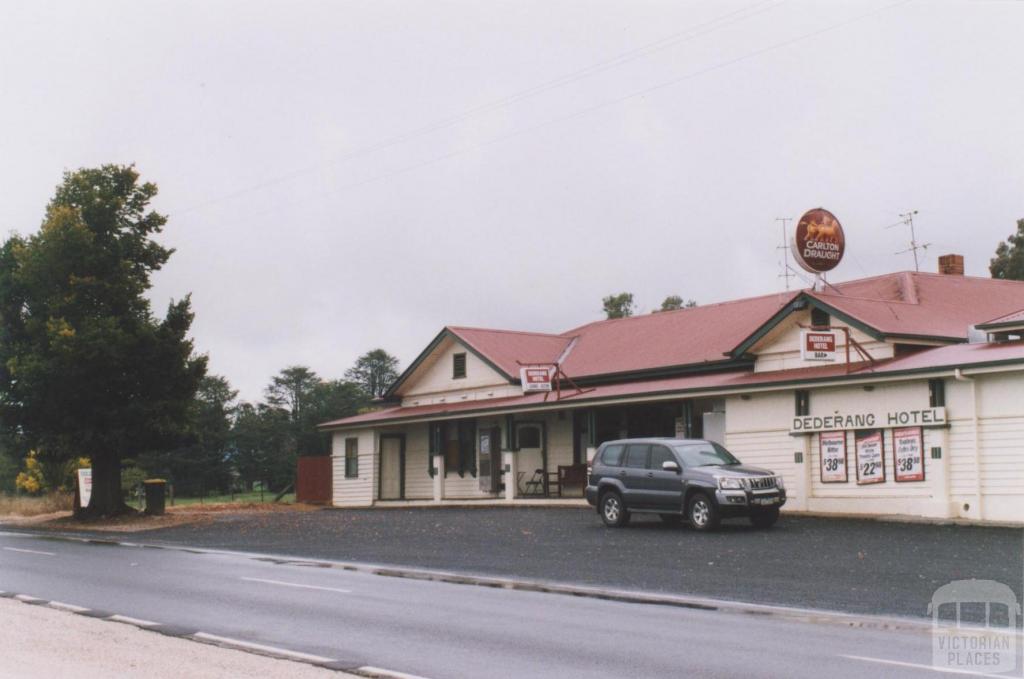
column 908, row 454
column 870, row 457
column 832, row 451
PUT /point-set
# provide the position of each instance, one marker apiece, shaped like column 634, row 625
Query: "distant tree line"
column 622, row 305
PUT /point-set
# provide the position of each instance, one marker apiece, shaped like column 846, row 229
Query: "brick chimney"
column 951, row 265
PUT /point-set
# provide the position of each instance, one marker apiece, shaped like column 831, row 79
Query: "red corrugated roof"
column 924, row 304
column 505, row 347
column 670, row 338
column 1015, row 318
column 947, row 357
column 899, row 304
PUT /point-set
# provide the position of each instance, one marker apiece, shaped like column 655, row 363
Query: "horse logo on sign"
column 818, row 242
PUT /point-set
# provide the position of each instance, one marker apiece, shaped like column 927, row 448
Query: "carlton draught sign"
column 818, row 242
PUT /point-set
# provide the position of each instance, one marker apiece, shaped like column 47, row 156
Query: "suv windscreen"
column 704, row 454
column 636, row 455
column 612, row 455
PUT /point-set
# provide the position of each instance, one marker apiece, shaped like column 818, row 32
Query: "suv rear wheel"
column 613, row 510
column 703, row 513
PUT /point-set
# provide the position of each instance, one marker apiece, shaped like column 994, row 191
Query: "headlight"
column 730, row 483
column 779, row 483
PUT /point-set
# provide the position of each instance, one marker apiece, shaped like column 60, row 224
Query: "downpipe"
column 958, row 374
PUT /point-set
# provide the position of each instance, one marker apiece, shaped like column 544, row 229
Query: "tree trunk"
column 107, row 498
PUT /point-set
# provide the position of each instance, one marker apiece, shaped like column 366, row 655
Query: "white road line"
column 378, row 672
column 67, row 607
column 29, row 551
column 900, row 663
column 282, row 583
column 133, row 621
column 260, row 647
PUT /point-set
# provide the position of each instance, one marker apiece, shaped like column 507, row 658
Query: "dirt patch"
column 138, row 521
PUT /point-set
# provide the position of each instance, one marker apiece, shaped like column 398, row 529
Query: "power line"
column 591, row 109
column 723, row 21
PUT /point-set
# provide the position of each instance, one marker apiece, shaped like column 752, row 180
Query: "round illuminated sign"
column 818, row 243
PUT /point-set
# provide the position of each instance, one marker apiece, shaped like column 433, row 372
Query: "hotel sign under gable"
column 926, row 417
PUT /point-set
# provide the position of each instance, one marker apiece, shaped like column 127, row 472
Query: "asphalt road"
column 858, row 566
column 441, row 630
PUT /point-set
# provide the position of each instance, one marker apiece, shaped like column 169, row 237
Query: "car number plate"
column 765, row 500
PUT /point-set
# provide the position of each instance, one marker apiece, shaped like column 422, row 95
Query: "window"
column 704, row 454
column 802, row 402
column 636, row 455
column 529, row 437
column 352, row 458
column 457, row 442
column 660, row 454
column 936, row 393
column 458, row 366
column 612, row 455
column 820, row 318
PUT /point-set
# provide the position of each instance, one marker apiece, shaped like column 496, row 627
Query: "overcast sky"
column 346, row 175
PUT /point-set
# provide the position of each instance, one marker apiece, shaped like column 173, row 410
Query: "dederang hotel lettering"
column 926, row 417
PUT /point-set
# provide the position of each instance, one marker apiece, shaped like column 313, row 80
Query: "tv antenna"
column 787, row 272
column 907, row 219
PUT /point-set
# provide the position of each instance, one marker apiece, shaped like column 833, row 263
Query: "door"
column 490, row 460
column 392, row 467
column 663, row 489
column 530, row 458
column 634, row 474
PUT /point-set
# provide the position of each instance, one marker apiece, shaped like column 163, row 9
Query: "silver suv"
column 677, row 478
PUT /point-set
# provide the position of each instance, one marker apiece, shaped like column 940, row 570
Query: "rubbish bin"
column 156, row 492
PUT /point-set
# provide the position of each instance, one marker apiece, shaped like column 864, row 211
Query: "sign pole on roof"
column 818, row 242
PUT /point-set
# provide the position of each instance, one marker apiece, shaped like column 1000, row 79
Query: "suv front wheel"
column 702, row 512
column 613, row 511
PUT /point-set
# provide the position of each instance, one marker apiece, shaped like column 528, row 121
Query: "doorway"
column 531, row 458
column 392, row 467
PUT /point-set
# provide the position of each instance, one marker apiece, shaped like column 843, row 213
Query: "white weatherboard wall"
column 757, row 431
column 433, row 382
column 780, row 348
column 357, row 492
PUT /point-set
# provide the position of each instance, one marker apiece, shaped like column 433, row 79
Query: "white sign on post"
column 535, row 378
column 870, row 457
column 832, row 451
column 908, row 454
column 84, row 487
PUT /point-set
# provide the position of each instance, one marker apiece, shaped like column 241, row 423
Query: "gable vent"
column 458, row 366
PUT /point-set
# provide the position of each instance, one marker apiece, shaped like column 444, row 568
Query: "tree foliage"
column 673, row 302
column 1009, row 260
column 619, row 306
column 200, row 462
column 375, row 371
column 86, row 369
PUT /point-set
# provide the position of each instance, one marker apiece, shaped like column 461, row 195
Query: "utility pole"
column 907, row 219
column 786, row 271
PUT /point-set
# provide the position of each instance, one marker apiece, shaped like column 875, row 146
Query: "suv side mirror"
column 670, row 466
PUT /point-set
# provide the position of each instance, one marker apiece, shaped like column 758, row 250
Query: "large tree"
column 375, row 371
column 1009, row 260
column 619, row 306
column 86, row 368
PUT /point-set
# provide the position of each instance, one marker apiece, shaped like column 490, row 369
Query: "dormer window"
column 820, row 318
column 458, row 366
